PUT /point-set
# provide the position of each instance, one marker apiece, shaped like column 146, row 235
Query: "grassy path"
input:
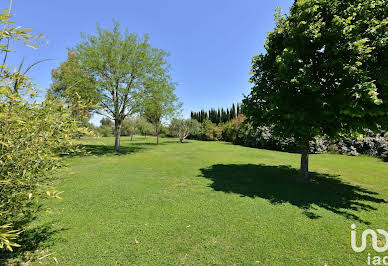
column 202, row 203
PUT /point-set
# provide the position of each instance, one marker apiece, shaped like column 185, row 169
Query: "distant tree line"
column 241, row 131
column 217, row 116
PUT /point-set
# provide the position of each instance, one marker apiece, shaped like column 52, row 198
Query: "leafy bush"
column 182, row 128
column 369, row 143
column 232, row 129
column 32, row 135
column 211, row 131
column 238, row 131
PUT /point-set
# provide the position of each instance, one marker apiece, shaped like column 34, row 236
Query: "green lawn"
column 202, row 203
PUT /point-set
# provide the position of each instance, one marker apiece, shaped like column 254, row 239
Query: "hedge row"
column 238, row 132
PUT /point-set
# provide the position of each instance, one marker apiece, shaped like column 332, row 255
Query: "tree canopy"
column 72, row 84
column 159, row 102
column 324, row 71
column 121, row 62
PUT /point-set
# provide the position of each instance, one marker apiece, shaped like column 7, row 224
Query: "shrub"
column 183, row 128
column 263, row 138
column 231, row 129
column 32, row 135
column 31, row 138
column 369, row 143
column 211, row 131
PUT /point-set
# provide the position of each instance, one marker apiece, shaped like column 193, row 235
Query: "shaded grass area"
column 204, row 203
column 280, row 184
column 32, row 239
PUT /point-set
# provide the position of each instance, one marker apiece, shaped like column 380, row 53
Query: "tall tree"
column 324, row 67
column 120, row 62
column 159, row 102
column 233, row 112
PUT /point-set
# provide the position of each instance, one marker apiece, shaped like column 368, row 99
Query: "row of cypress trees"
column 218, row 116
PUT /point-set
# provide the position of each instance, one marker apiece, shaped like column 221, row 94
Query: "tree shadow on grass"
column 101, row 149
column 30, row 240
column 107, row 149
column 280, row 184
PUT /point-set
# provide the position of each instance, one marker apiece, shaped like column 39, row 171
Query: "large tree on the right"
column 325, row 72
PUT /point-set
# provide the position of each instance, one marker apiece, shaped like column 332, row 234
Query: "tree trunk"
column 181, row 140
column 304, row 166
column 131, row 137
column 157, row 139
column 117, row 136
column 304, row 162
column 145, row 135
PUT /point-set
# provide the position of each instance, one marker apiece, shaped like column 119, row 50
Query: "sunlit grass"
column 205, row 203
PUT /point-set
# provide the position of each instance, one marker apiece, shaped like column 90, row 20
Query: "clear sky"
column 211, row 42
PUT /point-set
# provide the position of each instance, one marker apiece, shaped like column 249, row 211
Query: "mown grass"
column 202, row 203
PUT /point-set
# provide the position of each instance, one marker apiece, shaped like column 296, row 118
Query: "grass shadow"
column 102, row 149
column 279, row 184
column 93, row 149
column 30, row 240
column 108, row 149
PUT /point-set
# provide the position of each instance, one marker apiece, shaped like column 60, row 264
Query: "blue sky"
column 211, row 42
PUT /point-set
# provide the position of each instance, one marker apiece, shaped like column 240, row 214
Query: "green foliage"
column 129, row 127
column 368, row 143
column 31, row 137
column 211, row 131
column 71, row 84
column 144, row 127
column 121, row 63
column 159, row 102
column 323, row 72
column 104, row 131
column 182, row 128
column 217, row 116
column 233, row 128
column 106, row 122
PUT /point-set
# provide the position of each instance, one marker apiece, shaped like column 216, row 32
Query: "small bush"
column 369, row 143
column 211, row 131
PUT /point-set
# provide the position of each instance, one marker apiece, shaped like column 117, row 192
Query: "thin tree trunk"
column 304, row 162
column 131, row 137
column 117, row 136
column 181, row 140
column 157, row 139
